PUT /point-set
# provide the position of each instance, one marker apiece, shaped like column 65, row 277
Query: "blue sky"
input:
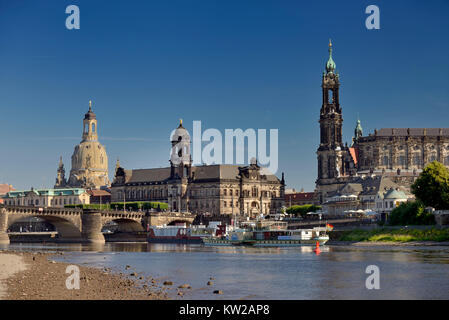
column 231, row 64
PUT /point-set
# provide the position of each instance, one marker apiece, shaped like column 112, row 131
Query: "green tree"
column 302, row 210
column 411, row 213
column 432, row 186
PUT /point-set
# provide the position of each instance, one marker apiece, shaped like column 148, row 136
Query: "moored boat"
column 275, row 235
column 173, row 234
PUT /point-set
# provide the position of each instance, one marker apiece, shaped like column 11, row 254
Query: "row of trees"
column 134, row 206
column 302, row 210
column 431, row 189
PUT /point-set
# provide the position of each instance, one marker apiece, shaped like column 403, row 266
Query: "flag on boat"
column 329, row 227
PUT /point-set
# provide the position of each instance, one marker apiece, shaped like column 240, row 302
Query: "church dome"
column 180, row 145
column 180, row 134
column 89, row 159
column 89, row 155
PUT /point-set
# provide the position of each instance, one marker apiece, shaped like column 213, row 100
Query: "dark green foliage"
column 134, row 206
column 411, row 213
column 302, row 210
column 432, row 186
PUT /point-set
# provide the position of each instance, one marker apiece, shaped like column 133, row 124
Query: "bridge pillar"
column 4, row 238
column 91, row 226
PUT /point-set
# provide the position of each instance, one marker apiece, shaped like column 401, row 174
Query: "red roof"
column 354, row 154
column 5, row 188
column 300, row 196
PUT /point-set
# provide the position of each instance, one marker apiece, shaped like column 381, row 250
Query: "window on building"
column 446, row 161
column 385, row 160
column 402, row 161
column 417, row 159
column 433, row 157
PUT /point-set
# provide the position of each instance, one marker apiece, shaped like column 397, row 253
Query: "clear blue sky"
column 230, row 64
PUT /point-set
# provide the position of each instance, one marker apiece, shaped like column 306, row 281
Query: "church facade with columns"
column 208, row 189
column 398, row 153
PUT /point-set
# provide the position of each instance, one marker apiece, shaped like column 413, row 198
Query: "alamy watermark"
column 373, row 20
column 73, row 20
column 209, row 147
column 373, row 280
column 73, row 280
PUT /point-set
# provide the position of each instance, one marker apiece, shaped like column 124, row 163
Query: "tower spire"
column 330, row 64
column 117, row 164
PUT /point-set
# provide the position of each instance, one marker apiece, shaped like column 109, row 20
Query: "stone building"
column 89, row 159
column 47, row 197
column 4, row 189
column 360, row 193
column 398, row 153
column 214, row 189
column 301, row 198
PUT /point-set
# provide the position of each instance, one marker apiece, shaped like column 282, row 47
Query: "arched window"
column 93, row 127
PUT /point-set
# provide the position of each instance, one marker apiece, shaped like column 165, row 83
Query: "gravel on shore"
column 32, row 276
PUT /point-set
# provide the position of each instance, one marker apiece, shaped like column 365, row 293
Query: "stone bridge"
column 84, row 225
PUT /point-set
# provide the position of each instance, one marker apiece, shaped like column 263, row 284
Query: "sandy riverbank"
column 32, row 276
column 10, row 264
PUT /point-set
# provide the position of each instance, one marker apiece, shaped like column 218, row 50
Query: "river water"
column 274, row 273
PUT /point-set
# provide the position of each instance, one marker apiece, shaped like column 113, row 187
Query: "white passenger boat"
column 271, row 238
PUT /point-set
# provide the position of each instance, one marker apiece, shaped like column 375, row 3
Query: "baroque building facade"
column 207, row 189
column 89, row 159
column 397, row 153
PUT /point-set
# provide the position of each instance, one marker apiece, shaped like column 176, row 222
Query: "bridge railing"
column 39, row 209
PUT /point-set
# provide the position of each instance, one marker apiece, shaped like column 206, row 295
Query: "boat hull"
column 264, row 243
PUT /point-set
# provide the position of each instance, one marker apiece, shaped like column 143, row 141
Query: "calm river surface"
column 274, row 273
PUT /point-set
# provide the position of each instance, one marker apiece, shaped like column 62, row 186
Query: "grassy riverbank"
column 396, row 235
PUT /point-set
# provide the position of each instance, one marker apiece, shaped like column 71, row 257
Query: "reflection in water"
column 274, row 273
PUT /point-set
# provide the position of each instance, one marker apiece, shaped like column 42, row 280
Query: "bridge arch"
column 68, row 230
column 176, row 221
column 125, row 224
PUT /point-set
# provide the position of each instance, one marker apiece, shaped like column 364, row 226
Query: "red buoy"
column 317, row 248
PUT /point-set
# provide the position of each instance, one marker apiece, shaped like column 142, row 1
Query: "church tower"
column 90, row 125
column 333, row 161
column 60, row 177
column 180, row 169
column 180, row 158
column 89, row 159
